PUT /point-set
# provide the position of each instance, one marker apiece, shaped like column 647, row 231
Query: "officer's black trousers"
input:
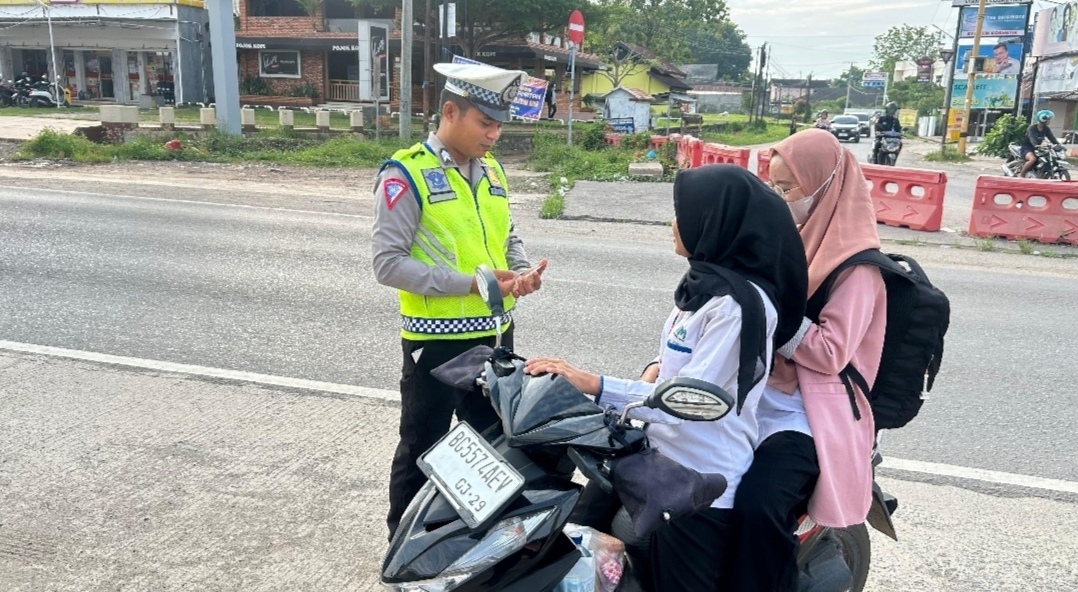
column 427, row 406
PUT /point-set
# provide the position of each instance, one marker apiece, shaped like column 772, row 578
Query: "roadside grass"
column 87, row 113
column 1026, row 247
column 948, row 155
column 342, row 151
column 749, row 136
column 985, row 244
column 553, row 207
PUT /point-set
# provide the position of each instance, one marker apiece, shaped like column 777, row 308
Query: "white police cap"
column 489, row 88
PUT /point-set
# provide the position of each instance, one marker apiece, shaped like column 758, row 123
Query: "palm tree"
column 310, row 7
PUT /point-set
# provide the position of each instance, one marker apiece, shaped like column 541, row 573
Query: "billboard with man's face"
column 1004, row 57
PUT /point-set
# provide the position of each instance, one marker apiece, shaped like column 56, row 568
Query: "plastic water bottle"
column 582, row 577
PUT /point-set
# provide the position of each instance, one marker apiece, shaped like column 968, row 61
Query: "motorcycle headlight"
column 502, row 540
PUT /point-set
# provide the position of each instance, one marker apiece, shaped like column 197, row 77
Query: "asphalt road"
column 155, row 481
column 292, row 294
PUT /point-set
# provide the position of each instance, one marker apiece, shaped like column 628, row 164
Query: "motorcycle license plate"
column 474, row 477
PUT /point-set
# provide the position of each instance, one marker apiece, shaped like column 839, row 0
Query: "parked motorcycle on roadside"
column 492, row 514
column 1051, row 163
column 890, row 148
column 41, row 95
column 7, row 93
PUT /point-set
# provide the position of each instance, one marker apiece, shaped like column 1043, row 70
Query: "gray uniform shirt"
column 395, row 229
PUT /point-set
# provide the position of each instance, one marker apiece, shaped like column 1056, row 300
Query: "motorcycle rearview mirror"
column 690, row 399
column 489, row 290
column 487, row 284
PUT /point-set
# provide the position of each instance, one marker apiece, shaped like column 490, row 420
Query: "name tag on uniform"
column 496, row 187
column 438, row 185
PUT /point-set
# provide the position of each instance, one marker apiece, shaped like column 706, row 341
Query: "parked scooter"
column 1050, row 163
column 492, row 513
column 890, row 148
column 7, row 93
column 41, row 94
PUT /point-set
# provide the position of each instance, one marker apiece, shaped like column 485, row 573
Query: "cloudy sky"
column 824, row 36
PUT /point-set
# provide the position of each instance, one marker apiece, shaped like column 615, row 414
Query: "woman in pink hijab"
column 815, row 440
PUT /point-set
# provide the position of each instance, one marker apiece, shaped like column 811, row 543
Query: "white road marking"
column 187, row 201
column 203, row 371
column 967, row 473
column 915, row 466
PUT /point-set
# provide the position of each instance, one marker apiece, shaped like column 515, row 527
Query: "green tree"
column 851, row 76
column 659, row 25
column 925, row 97
column 485, row 22
column 905, row 43
column 310, row 7
column 721, row 43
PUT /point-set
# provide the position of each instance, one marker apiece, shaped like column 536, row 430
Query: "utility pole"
column 971, row 78
column 846, row 105
column 226, row 86
column 808, row 100
column 766, row 90
column 950, row 67
column 760, row 97
column 407, row 22
column 758, row 84
column 427, row 83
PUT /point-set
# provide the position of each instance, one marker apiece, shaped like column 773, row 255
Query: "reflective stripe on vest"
column 458, row 231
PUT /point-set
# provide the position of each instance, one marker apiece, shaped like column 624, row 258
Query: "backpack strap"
column 850, row 376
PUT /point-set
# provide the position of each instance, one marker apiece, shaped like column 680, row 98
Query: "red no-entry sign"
column 576, row 27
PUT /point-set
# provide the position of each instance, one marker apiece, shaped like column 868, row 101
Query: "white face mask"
column 800, row 209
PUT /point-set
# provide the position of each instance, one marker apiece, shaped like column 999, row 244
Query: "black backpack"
column 918, row 314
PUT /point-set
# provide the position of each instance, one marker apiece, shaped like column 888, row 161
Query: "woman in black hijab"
column 743, row 295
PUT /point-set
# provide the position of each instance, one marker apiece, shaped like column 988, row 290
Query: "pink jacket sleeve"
column 830, row 345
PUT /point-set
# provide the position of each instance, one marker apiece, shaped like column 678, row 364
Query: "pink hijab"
column 843, row 219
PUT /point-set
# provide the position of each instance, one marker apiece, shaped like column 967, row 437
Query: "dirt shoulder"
column 335, row 190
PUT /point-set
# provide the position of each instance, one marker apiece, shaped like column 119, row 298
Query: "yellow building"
column 124, row 51
column 638, row 68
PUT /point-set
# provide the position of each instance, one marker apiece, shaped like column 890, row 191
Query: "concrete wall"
column 639, row 78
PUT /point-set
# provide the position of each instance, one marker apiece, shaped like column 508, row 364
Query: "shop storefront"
column 135, row 54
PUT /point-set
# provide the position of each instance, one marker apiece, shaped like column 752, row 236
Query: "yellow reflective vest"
column 458, row 230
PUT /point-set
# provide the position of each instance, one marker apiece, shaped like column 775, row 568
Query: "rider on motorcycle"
column 888, row 122
column 1035, row 136
column 822, row 121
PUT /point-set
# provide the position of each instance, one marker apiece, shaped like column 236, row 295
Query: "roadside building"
column 125, row 51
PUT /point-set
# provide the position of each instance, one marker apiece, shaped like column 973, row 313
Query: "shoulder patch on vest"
column 393, row 189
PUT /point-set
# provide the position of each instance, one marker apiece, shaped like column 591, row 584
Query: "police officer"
column 441, row 210
column 888, row 122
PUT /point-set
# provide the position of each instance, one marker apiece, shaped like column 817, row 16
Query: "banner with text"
column 999, row 21
column 1057, row 75
column 529, row 102
column 990, row 91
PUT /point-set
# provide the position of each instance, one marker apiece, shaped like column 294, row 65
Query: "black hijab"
column 738, row 230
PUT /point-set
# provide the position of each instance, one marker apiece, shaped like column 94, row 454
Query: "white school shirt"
column 780, row 412
column 704, row 344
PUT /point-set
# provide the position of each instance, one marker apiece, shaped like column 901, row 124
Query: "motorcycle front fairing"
column 522, row 549
column 549, row 411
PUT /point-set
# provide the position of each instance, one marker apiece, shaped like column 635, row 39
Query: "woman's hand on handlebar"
column 586, row 382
